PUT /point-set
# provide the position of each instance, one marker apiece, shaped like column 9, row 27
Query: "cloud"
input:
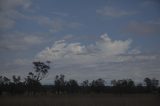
column 142, row 28
column 136, row 67
column 13, row 10
column 55, row 24
column 6, row 23
column 76, row 59
column 148, row 3
column 113, row 12
column 8, row 12
column 19, row 41
column 19, row 62
column 106, row 58
column 12, row 4
column 60, row 14
column 109, row 47
column 104, row 48
column 16, row 66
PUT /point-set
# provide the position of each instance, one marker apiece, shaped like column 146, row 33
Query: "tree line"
column 32, row 85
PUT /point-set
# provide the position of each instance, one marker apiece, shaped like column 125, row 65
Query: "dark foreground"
column 82, row 100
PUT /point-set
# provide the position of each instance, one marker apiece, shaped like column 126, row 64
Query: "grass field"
column 82, row 100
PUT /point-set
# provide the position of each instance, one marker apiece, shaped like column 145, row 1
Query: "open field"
column 82, row 100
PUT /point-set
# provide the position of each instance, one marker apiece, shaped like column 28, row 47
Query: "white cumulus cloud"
column 103, row 49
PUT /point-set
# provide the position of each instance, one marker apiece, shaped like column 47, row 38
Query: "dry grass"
column 82, row 100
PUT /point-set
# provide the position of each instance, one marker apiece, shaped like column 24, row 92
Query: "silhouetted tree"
column 1, row 85
column 72, row 86
column 148, row 82
column 6, row 80
column 113, row 82
column 98, row 85
column 151, row 84
column 17, row 86
column 16, row 80
column 33, row 86
column 41, row 69
column 33, row 79
column 59, row 84
column 155, row 83
column 4, row 84
column 123, row 86
column 140, row 88
column 85, row 86
column 85, row 83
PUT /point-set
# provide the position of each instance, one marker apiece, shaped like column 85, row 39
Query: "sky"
column 83, row 39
